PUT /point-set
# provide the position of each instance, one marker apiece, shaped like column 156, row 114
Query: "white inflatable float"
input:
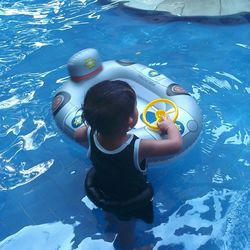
column 86, row 69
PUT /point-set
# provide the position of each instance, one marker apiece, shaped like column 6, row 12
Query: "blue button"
column 180, row 126
column 150, row 116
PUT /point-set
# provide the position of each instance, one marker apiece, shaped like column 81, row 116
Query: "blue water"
column 201, row 199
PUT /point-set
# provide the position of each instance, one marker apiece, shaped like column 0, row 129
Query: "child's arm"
column 171, row 145
column 81, row 135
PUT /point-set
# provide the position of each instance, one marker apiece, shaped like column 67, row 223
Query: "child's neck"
column 112, row 142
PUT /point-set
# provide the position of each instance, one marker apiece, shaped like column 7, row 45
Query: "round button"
column 192, row 125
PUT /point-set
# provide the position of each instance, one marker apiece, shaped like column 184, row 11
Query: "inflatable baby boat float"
column 156, row 94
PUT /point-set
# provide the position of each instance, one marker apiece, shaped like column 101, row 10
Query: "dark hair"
column 108, row 106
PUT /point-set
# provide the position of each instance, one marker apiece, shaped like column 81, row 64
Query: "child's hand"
column 165, row 124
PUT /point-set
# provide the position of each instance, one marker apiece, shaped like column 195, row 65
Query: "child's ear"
column 130, row 121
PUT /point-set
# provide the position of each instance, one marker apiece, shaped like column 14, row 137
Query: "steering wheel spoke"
column 170, row 111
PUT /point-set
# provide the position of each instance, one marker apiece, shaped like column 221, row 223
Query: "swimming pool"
column 201, row 199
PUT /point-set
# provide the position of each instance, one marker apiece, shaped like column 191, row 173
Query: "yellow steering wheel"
column 159, row 112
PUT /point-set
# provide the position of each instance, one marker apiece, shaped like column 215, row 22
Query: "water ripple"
column 243, row 45
column 191, row 228
column 56, row 235
column 239, row 138
column 14, row 100
column 12, row 178
column 15, row 129
column 34, row 139
column 16, row 168
column 219, row 83
column 223, row 124
column 230, row 76
column 27, row 27
column 35, row 26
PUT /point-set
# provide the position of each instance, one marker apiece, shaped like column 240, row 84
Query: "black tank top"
column 118, row 173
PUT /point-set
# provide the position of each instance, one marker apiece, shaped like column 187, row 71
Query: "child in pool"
column 119, row 158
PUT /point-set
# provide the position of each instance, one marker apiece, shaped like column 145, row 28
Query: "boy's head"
column 110, row 107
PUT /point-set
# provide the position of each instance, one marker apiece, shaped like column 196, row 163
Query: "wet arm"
column 157, row 148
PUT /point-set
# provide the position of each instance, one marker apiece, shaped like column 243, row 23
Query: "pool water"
column 201, row 198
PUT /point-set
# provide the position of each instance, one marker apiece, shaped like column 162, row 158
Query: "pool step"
column 191, row 7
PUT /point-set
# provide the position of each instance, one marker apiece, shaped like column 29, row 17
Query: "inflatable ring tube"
column 107, row 204
column 86, row 69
